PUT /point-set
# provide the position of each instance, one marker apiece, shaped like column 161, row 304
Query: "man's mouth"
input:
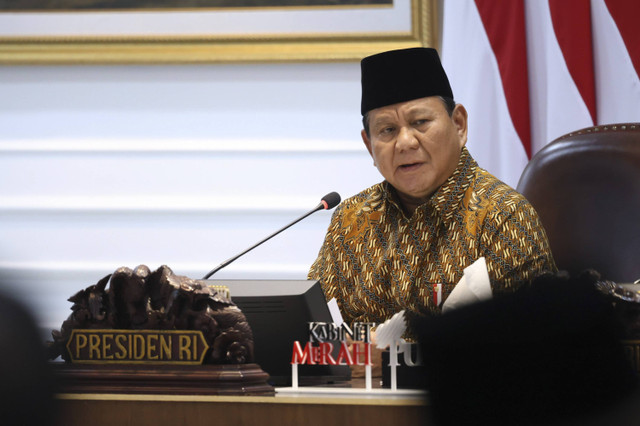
column 409, row 166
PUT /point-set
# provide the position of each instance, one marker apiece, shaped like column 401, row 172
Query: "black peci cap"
column 400, row 76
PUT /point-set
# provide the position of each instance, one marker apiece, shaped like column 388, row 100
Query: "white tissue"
column 474, row 286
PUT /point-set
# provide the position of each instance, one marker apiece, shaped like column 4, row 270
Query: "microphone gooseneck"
column 327, row 202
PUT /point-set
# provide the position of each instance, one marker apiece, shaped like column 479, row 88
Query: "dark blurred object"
column 549, row 353
column 585, row 187
column 26, row 382
column 626, row 301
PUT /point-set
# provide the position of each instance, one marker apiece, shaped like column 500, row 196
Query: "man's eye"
column 387, row 130
column 420, row 122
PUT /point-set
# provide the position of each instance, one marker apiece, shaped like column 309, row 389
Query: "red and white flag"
column 529, row 71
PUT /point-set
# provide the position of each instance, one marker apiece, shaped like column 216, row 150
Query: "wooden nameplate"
column 237, row 379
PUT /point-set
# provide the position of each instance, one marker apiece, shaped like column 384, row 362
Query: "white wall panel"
column 102, row 167
column 173, row 172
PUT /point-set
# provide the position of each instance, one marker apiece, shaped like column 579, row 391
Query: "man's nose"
column 406, row 139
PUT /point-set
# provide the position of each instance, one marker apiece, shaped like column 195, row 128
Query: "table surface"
column 308, row 405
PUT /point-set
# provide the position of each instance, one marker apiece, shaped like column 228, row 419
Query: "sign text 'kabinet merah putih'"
column 323, row 334
column 319, row 350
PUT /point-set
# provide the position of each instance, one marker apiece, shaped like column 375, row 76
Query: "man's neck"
column 410, row 204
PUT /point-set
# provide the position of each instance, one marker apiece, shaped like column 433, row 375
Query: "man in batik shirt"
column 435, row 213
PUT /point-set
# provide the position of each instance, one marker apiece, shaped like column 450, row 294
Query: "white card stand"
column 393, row 364
column 294, row 376
column 367, row 372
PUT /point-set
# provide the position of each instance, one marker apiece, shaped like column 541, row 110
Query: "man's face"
column 416, row 145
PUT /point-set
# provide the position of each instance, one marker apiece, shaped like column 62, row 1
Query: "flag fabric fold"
column 529, row 71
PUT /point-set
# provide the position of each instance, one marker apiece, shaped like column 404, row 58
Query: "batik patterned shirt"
column 376, row 261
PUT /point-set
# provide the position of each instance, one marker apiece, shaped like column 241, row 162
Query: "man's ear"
column 367, row 141
column 459, row 117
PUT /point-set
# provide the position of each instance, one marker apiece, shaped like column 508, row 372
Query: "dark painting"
column 84, row 5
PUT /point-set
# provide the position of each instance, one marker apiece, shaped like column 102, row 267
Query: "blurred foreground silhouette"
column 26, row 383
column 548, row 354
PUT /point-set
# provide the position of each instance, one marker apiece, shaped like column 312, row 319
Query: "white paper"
column 474, row 286
column 334, row 310
column 391, row 331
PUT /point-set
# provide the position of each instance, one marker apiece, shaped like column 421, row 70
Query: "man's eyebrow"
column 382, row 119
column 419, row 110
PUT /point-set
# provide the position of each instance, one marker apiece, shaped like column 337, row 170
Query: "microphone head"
column 330, row 200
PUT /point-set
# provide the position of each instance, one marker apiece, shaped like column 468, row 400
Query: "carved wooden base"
column 243, row 379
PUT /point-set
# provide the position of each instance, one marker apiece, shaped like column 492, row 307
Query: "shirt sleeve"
column 516, row 247
column 325, row 268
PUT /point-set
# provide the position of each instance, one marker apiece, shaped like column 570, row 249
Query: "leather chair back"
column 585, row 187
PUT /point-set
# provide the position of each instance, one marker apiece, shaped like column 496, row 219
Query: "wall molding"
column 90, row 204
column 58, row 270
column 168, row 146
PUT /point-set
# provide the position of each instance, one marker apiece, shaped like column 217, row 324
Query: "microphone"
column 327, row 202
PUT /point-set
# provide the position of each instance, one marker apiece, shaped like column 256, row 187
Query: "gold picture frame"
column 16, row 49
